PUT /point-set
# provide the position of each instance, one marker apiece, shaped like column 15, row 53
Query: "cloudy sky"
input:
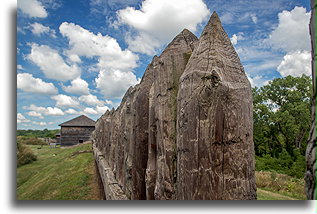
column 80, row 56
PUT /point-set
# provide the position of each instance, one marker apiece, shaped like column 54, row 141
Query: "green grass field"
column 59, row 175
column 270, row 195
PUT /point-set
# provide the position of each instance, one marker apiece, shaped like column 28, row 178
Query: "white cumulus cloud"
column 90, row 100
column 52, row 64
column 32, row 8
column 74, row 58
column 114, row 64
column 20, row 67
column 35, row 114
column 295, row 64
column 52, row 111
column 237, row 37
column 63, row 100
column 254, row 18
column 71, row 111
column 114, row 83
column 28, row 83
column 78, row 86
column 90, row 111
column 21, row 118
column 292, row 36
column 85, row 43
column 143, row 43
column 292, row 32
column 158, row 21
column 33, row 107
column 39, row 29
column 39, row 123
column 102, row 109
column 96, row 110
column 234, row 39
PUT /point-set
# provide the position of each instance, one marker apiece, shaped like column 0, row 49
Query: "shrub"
column 285, row 164
column 298, row 168
column 24, row 155
column 30, row 140
column 281, row 183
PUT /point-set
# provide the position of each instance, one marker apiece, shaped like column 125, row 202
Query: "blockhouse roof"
column 79, row 121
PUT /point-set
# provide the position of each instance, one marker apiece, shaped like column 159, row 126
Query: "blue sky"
column 80, row 56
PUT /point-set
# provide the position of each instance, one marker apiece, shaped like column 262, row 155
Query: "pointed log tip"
column 187, row 33
column 214, row 23
column 185, row 30
column 184, row 35
column 214, row 17
column 214, row 14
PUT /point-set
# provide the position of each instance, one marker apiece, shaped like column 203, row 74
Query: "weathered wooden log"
column 215, row 150
column 161, row 170
column 310, row 176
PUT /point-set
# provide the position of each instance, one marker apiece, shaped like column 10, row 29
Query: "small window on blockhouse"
column 81, row 141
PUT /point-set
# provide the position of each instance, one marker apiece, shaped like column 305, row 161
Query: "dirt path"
column 275, row 195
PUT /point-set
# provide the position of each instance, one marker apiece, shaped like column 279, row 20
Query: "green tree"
column 281, row 111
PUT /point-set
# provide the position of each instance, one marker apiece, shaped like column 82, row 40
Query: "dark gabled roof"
column 79, row 121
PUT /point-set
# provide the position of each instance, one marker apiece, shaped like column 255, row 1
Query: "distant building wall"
column 58, row 138
column 74, row 135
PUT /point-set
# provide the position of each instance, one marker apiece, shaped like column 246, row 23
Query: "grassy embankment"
column 274, row 186
column 58, row 175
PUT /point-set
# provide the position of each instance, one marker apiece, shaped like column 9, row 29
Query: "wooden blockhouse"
column 77, row 130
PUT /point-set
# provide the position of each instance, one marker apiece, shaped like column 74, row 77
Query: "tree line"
column 38, row 133
column 281, row 122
